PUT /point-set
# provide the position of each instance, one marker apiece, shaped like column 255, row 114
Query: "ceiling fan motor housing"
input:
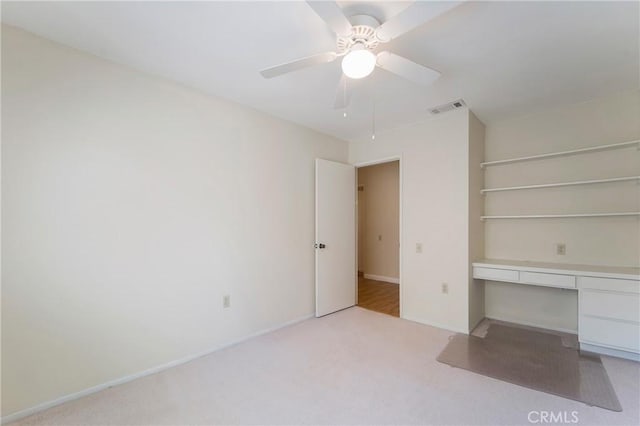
column 363, row 33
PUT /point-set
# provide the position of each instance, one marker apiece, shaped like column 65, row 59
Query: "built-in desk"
column 608, row 299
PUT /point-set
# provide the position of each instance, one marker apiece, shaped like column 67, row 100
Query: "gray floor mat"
column 535, row 360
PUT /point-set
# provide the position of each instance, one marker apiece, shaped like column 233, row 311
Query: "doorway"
column 378, row 237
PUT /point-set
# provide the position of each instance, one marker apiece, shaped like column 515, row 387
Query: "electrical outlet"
column 418, row 247
column 226, row 301
column 379, row 237
column 445, row 288
column 561, row 249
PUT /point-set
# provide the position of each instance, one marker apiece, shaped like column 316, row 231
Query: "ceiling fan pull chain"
column 344, row 94
column 373, row 121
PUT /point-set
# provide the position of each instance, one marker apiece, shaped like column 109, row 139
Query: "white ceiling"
column 503, row 58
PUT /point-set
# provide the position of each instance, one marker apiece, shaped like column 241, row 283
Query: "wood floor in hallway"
column 379, row 296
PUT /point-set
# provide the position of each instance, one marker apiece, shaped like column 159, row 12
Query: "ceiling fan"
column 359, row 36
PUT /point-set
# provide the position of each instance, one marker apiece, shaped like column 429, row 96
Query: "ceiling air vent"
column 448, row 107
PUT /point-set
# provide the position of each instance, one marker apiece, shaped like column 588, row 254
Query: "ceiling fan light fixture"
column 358, row 63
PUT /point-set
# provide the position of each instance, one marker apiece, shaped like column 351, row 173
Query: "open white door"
column 335, row 236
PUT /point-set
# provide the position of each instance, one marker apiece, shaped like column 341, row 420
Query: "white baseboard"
column 76, row 395
column 609, row 351
column 391, row 280
column 436, row 325
column 531, row 324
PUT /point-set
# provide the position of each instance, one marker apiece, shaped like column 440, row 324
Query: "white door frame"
column 397, row 158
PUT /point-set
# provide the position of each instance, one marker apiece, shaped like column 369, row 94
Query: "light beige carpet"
column 352, row 367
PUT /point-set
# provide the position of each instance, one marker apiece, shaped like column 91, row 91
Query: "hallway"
column 379, row 296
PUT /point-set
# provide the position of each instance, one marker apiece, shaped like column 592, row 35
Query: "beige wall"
column 597, row 241
column 379, row 246
column 435, row 212
column 476, row 209
column 131, row 205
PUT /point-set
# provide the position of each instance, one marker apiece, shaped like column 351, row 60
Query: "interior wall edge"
column 441, row 326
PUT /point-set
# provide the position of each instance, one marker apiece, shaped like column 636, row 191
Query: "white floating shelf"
column 551, row 216
column 562, row 153
column 553, row 185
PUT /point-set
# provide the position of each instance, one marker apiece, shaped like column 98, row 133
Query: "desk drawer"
column 549, row 280
column 495, row 274
column 615, row 334
column 609, row 284
column 620, row 306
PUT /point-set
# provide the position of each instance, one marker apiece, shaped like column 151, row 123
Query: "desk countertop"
column 629, row 273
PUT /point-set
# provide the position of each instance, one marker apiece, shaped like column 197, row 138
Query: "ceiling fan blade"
column 309, row 61
column 343, row 94
column 407, row 69
column 413, row 16
column 332, row 14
